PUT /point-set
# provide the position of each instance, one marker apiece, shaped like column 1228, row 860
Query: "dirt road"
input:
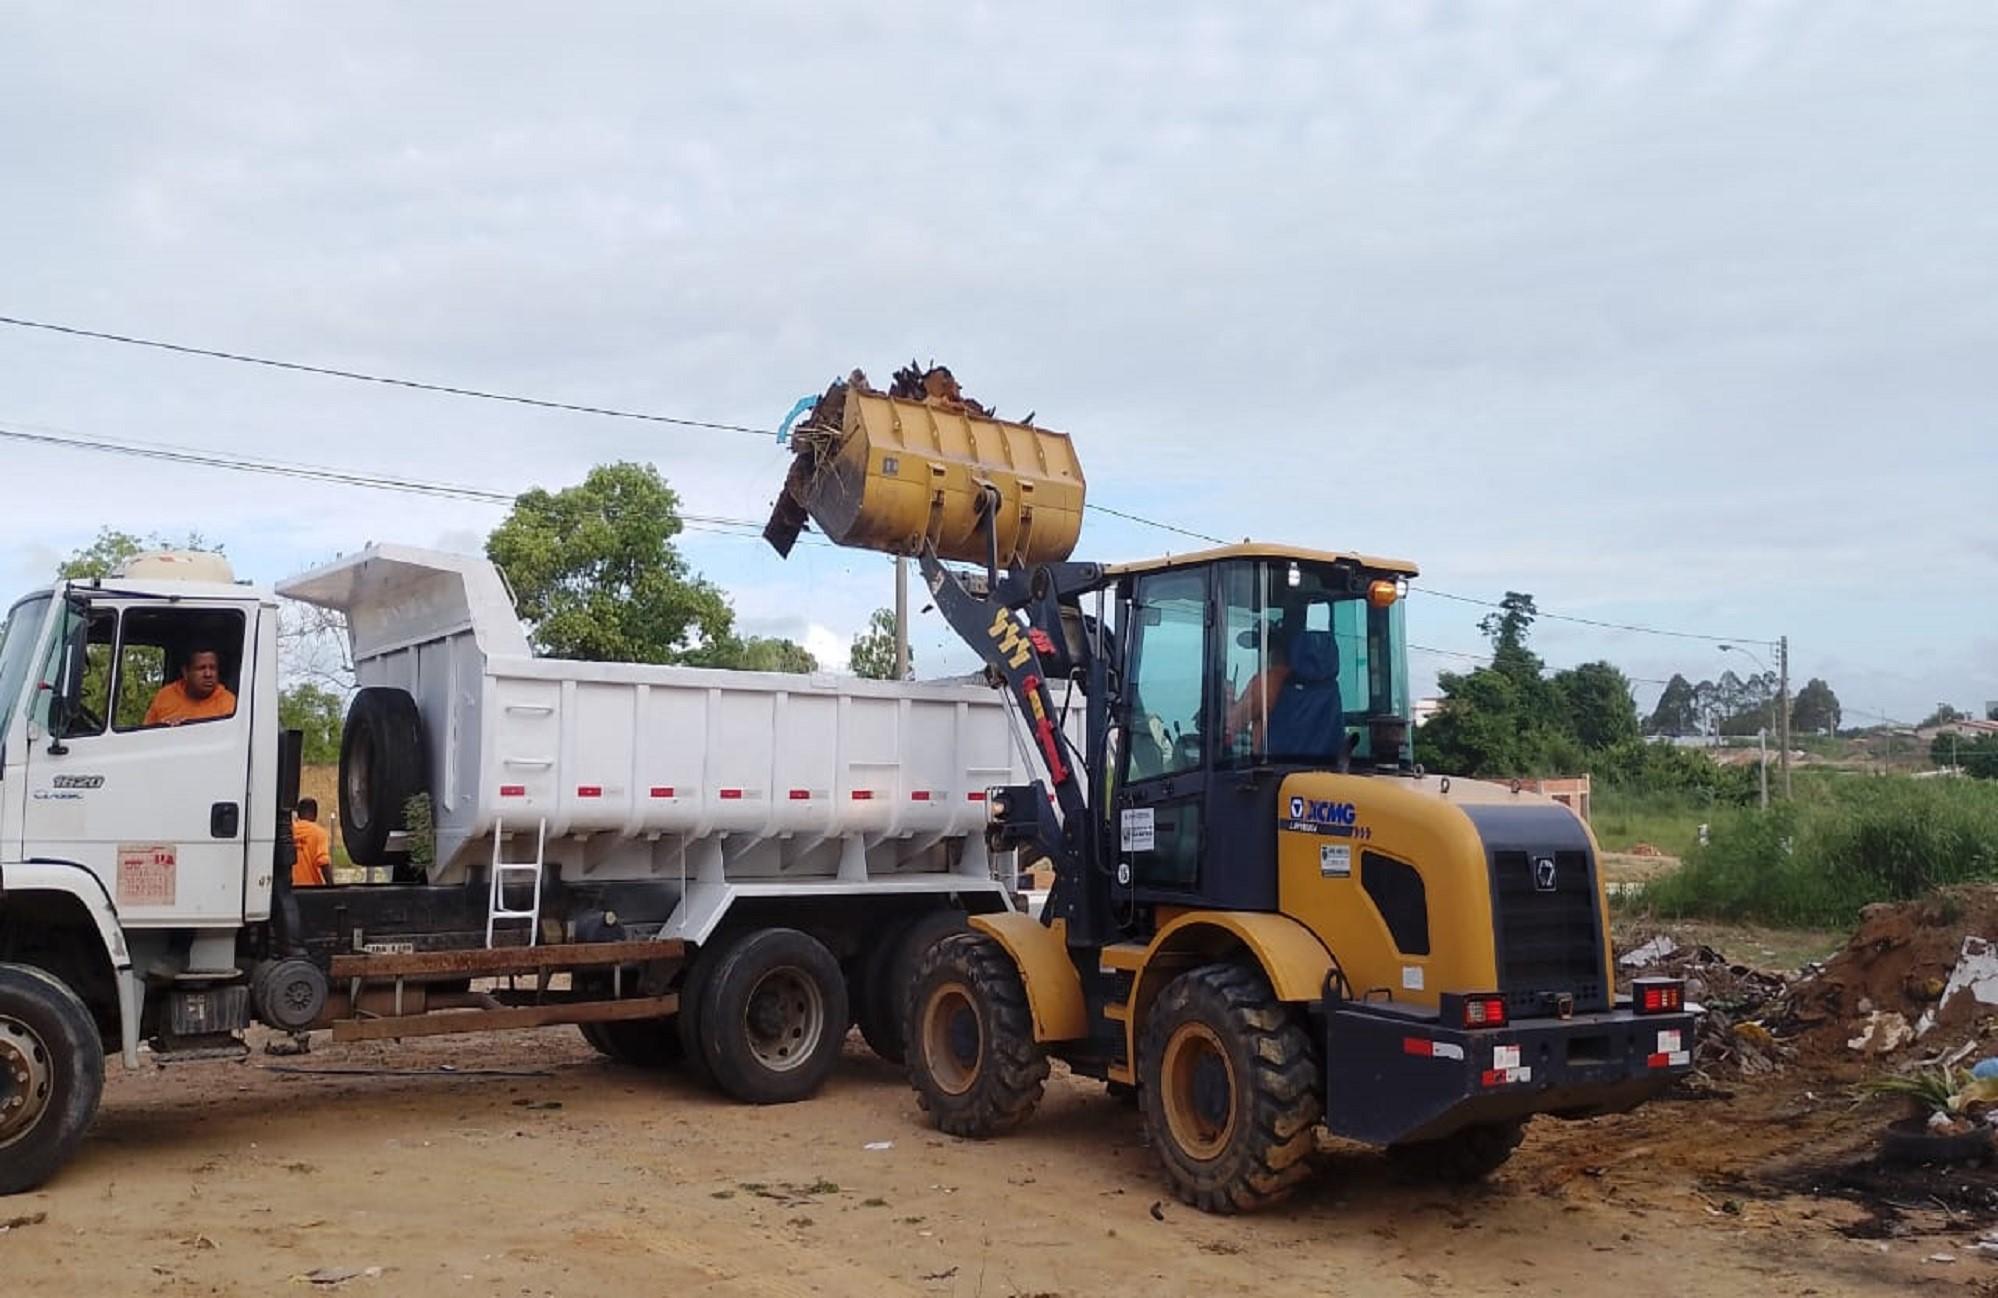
column 597, row 1180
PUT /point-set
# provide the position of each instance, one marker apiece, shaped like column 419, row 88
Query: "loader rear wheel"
column 972, row 1056
column 773, row 1016
column 886, row 974
column 1231, row 1092
column 51, row 1076
column 1464, row 1156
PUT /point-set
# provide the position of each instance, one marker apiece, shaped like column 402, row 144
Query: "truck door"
column 142, row 778
column 1164, row 778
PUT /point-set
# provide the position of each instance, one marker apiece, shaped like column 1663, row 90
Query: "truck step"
column 197, row 1050
column 1122, row 957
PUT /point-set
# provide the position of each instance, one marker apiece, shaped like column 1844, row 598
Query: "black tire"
column 1463, row 1156
column 973, row 1060
column 1231, row 1092
column 888, row 970
column 641, row 1043
column 382, row 767
column 688, row 1022
column 51, row 1076
column 773, row 1017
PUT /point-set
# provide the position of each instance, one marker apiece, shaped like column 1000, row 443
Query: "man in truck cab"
column 199, row 694
column 312, row 866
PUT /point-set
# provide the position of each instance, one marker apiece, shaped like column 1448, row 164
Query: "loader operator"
column 199, row 694
column 1249, row 714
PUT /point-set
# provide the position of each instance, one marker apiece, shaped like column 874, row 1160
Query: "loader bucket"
column 890, row 473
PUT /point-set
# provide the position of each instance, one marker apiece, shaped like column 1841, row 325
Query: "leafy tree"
column 317, row 712
column 1942, row 716
column 112, row 547
column 595, row 574
column 1977, row 755
column 1677, row 712
column 873, row 652
column 1815, row 709
column 1595, row 705
column 770, row 654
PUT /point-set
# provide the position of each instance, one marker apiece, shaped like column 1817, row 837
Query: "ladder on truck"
column 516, row 872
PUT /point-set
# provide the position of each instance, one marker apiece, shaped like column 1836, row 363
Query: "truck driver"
column 199, row 694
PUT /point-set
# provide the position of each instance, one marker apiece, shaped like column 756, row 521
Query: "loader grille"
column 1549, row 942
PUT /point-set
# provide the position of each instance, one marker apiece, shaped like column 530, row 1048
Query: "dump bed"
column 640, row 770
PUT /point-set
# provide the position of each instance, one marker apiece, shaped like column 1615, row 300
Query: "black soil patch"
column 1890, row 1192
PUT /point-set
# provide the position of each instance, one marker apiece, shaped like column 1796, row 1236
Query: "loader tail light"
column 1658, row 995
column 1484, row 1011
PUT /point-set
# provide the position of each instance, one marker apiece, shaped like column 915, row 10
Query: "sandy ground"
column 226, row 1179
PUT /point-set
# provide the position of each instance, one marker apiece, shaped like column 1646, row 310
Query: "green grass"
column 1845, row 841
column 1670, row 822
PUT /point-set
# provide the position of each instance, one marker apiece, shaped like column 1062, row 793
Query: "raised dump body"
column 677, row 773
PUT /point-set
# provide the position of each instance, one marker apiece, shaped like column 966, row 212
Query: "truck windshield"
column 17, row 652
column 1308, row 666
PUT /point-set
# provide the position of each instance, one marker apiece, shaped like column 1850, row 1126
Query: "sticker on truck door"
column 147, row 874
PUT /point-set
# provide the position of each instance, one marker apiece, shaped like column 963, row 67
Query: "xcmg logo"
column 1323, row 813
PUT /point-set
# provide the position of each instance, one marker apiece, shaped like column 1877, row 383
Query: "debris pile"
column 1920, row 972
column 1740, row 1002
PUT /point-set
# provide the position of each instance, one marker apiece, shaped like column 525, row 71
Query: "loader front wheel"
column 1231, row 1092
column 969, row 1039
column 51, row 1076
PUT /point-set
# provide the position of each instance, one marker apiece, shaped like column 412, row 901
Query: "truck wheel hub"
column 785, row 1018
column 26, row 1080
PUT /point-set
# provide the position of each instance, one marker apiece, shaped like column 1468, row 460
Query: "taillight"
column 1484, row 1011
column 1657, row 995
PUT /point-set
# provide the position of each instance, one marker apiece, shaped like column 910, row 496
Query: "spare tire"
column 382, row 767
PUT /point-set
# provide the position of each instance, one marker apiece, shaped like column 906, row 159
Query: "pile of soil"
column 1898, row 962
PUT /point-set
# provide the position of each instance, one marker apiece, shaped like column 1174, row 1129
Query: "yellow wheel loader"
column 1265, row 916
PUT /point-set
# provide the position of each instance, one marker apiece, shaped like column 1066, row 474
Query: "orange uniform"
column 1251, row 711
column 313, row 865
column 173, row 705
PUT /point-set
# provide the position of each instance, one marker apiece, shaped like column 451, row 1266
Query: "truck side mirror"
column 66, row 699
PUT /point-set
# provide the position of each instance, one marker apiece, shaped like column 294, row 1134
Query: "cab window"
column 94, row 696
column 155, row 649
column 1169, row 616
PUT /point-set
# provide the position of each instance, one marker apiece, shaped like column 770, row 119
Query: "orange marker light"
column 1381, row 593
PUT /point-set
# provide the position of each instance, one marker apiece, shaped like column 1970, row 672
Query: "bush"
column 1667, row 769
column 1843, row 844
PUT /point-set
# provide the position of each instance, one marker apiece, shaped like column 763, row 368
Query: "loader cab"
column 1241, row 666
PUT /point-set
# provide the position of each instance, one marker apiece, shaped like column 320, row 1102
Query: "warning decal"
column 146, row 874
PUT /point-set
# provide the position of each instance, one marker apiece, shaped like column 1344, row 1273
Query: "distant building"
column 1425, row 709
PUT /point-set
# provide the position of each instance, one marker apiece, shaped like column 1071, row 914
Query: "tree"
column 595, row 575
column 1977, row 755
column 873, row 652
column 1678, row 710
column 1942, row 716
column 112, row 547
column 770, row 654
column 317, row 712
column 1815, row 709
column 1595, row 705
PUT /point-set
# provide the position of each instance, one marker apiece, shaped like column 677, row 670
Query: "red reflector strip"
column 919, row 795
column 662, row 790
column 1416, row 1046
column 731, row 795
column 513, row 790
column 1674, row 1059
column 1494, row 1077
column 862, row 795
column 976, row 795
column 801, row 795
column 589, row 790
column 1658, row 1061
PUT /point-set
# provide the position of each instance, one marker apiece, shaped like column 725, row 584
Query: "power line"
column 1485, row 659
column 1595, row 622
column 1153, row 522
column 446, row 389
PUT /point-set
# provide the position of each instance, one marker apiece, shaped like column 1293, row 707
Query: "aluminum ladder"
column 504, row 872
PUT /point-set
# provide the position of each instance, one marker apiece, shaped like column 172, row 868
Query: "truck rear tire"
column 641, row 1043
column 51, row 1076
column 888, row 971
column 973, row 1060
column 773, row 1016
column 382, row 767
column 1463, row 1156
column 1231, row 1093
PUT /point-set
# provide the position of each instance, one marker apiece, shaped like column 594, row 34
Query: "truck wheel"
column 381, row 768
column 1231, row 1092
column 773, row 1017
column 973, row 1060
column 688, row 1023
column 51, row 1076
column 642, row 1043
column 888, row 970
column 1464, row 1156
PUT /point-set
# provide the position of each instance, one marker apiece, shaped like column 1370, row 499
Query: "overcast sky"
column 1682, row 314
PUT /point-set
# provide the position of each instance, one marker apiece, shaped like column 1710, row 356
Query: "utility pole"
column 901, row 618
column 1762, row 736
column 1783, row 706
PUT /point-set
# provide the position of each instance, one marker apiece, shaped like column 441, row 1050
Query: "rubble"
column 1881, row 1032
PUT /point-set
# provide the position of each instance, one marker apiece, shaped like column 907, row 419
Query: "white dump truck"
column 725, row 868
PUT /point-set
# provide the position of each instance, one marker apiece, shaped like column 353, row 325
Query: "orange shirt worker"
column 199, row 694
column 312, row 867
